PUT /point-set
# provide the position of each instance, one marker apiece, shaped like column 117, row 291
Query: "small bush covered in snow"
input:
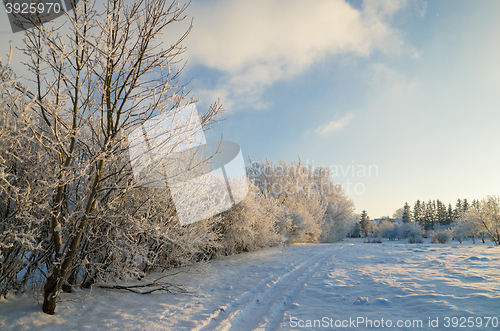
column 376, row 240
column 388, row 230
column 439, row 236
column 410, row 231
column 258, row 221
column 416, row 240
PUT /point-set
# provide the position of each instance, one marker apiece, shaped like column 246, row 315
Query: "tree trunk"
column 50, row 293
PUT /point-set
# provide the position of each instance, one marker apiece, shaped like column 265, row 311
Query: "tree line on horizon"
column 478, row 219
column 435, row 213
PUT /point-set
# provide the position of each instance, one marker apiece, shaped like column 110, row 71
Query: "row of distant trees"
column 387, row 228
column 434, row 212
column 479, row 219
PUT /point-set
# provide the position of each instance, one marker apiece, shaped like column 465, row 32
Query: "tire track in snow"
column 276, row 312
column 242, row 299
column 260, row 304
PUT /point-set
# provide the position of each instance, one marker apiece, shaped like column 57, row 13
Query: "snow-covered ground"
column 351, row 284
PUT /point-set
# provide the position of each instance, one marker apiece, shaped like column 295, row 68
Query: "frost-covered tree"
column 307, row 217
column 481, row 221
column 23, row 191
column 317, row 207
column 467, row 226
column 489, row 216
column 96, row 81
column 291, row 185
column 398, row 213
column 339, row 217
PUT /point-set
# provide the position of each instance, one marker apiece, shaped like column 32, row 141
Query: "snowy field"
column 351, row 285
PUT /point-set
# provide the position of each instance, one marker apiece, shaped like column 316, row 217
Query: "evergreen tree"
column 458, row 209
column 364, row 224
column 475, row 204
column 406, row 213
column 417, row 213
column 429, row 216
column 439, row 213
column 442, row 215
column 465, row 206
column 449, row 217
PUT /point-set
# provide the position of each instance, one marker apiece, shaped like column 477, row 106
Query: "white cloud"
column 335, row 125
column 255, row 43
column 389, row 79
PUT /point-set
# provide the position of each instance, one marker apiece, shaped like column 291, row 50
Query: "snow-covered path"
column 263, row 306
column 351, row 284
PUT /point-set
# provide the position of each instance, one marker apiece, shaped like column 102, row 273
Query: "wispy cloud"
column 390, row 79
column 335, row 125
column 256, row 43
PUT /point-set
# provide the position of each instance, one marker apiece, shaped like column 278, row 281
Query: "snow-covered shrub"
column 318, row 209
column 374, row 228
column 388, row 230
column 140, row 233
column 439, row 236
column 306, row 215
column 376, row 240
column 410, row 231
column 416, row 240
column 257, row 221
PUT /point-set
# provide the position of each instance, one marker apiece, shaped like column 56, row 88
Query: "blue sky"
column 410, row 87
